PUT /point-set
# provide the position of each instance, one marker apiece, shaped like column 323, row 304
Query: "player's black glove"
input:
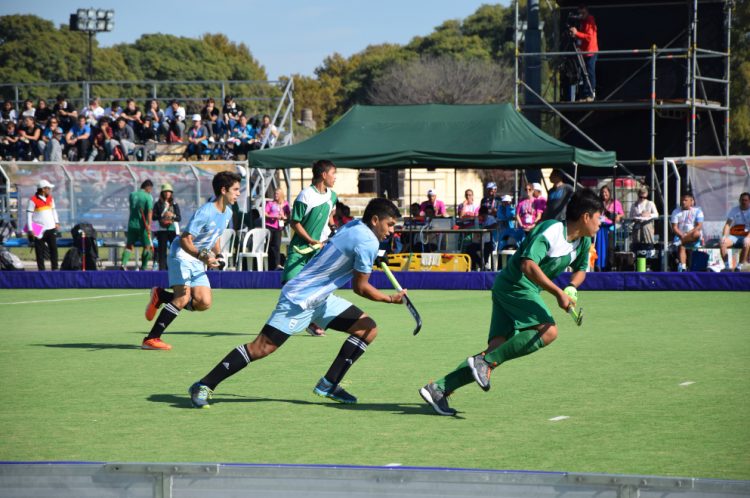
column 221, row 262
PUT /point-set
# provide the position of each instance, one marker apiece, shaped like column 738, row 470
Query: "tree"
column 740, row 81
column 443, row 80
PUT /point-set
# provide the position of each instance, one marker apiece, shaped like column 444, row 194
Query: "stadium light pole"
column 92, row 21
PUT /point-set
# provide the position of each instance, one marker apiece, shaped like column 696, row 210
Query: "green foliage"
column 740, row 80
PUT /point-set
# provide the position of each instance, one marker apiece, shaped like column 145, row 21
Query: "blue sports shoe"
column 199, row 395
column 335, row 392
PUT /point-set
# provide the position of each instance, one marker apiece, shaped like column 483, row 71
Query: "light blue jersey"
column 206, row 226
column 354, row 247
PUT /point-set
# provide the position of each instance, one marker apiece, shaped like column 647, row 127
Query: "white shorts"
column 290, row 318
column 187, row 273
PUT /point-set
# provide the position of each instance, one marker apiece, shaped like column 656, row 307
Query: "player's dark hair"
column 147, row 184
column 583, row 201
column 224, row 179
column 381, row 208
column 320, row 167
column 744, row 194
column 687, row 194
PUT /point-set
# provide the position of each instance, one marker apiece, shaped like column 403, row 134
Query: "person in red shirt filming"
column 586, row 41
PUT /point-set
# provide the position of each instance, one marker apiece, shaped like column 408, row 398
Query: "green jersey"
column 547, row 245
column 313, row 210
column 140, row 204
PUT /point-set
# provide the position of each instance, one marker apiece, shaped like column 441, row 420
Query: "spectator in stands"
column 42, row 223
column 146, row 140
column 124, row 137
column 8, row 114
column 113, row 111
column 28, row 136
column 230, row 113
column 736, row 233
column 77, row 140
column 93, row 112
column 643, row 213
column 103, row 145
column 155, row 116
column 167, row 212
column 174, row 122
column 243, row 138
column 586, row 41
column 9, row 141
column 527, row 216
column 468, row 208
column 43, row 112
column 132, row 116
column 438, row 206
column 507, row 234
column 557, row 197
column 277, row 213
column 342, row 215
column 490, row 199
column 52, row 140
column 65, row 113
column 687, row 225
column 197, row 138
column 604, row 238
column 210, row 116
column 267, row 133
column 28, row 109
column 482, row 246
column 540, row 202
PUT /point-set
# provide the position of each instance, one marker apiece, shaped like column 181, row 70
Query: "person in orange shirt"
column 586, row 41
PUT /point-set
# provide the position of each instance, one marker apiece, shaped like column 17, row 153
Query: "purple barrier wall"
column 687, row 281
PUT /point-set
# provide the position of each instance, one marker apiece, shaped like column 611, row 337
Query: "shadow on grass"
column 205, row 333
column 92, row 346
column 395, row 408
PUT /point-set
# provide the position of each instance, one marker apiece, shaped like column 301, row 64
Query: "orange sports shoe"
column 155, row 343
column 153, row 303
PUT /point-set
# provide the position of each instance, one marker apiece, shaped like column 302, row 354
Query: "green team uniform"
column 516, row 301
column 140, row 204
column 517, row 305
column 313, row 210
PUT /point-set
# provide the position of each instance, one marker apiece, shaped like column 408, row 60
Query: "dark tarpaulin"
column 432, row 135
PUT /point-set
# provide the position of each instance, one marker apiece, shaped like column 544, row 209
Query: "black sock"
column 236, row 360
column 165, row 296
column 166, row 316
column 353, row 348
column 189, row 305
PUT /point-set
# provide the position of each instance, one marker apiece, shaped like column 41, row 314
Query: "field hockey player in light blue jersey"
column 349, row 255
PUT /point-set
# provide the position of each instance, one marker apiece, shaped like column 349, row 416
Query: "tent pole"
column 455, row 192
column 575, row 176
column 410, row 188
column 515, row 185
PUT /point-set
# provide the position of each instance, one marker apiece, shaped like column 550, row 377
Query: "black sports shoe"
column 436, row 399
column 335, row 392
column 481, row 370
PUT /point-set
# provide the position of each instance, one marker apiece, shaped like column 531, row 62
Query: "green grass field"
column 76, row 386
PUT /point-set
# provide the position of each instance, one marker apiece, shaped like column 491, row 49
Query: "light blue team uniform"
column 309, row 297
column 206, row 226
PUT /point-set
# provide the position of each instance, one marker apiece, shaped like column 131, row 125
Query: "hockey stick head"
column 414, row 314
column 576, row 315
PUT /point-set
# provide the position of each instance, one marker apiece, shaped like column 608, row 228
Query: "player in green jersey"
column 521, row 322
column 139, row 225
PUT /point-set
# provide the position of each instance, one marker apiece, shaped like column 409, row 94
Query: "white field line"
column 687, row 383
column 557, row 419
column 75, row 298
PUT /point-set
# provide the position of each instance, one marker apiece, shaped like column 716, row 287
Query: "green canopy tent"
column 432, row 135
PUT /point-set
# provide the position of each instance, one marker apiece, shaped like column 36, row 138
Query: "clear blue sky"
column 286, row 37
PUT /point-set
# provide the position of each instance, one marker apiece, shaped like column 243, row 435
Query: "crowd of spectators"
column 40, row 132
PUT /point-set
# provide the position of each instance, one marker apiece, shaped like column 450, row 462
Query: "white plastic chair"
column 226, row 244
column 260, row 238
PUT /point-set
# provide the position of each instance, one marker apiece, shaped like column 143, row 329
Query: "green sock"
column 145, row 258
column 457, row 378
column 522, row 343
column 126, row 257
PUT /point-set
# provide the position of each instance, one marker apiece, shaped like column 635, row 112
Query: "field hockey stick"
column 575, row 314
column 407, row 301
column 308, row 249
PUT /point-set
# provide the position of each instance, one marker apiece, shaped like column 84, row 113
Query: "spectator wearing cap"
column 540, row 202
column 197, row 138
column 174, row 122
column 527, row 214
column 432, row 201
column 468, row 208
column 167, row 212
column 506, row 224
column 557, row 197
column 490, row 200
column 643, row 213
column 42, row 224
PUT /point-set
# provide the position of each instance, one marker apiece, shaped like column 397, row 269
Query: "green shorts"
column 516, row 309
column 294, row 264
column 138, row 235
